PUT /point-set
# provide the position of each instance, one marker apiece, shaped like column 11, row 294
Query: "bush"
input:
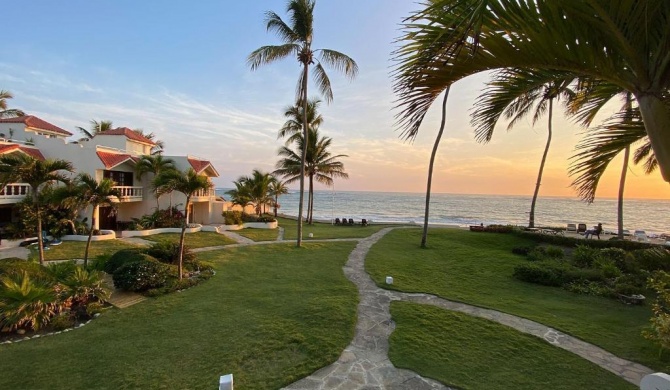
column 232, row 217
column 572, row 242
column 554, row 252
column 654, row 259
column 168, row 252
column 62, row 321
column 551, row 273
column 94, row 308
column 142, row 275
column 585, row 257
column 616, row 255
column 25, row 303
column 124, row 256
column 522, row 250
column 537, row 254
column 62, row 271
column 660, row 321
column 16, row 268
column 197, row 265
column 98, row 264
column 609, row 269
column 590, row 288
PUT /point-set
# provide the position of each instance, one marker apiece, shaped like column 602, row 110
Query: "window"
column 121, row 178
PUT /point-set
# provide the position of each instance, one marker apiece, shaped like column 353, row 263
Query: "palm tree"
column 624, row 43
column 297, row 42
column 7, row 112
column 254, row 189
column 21, row 168
column 514, row 94
column 154, row 164
column 292, row 128
column 277, row 188
column 95, row 129
column 320, row 165
column 95, row 194
column 188, row 183
column 159, row 145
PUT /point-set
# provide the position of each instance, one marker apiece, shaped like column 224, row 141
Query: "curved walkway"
column 364, row 364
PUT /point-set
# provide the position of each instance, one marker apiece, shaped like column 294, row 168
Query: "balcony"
column 14, row 193
column 203, row 195
column 129, row 194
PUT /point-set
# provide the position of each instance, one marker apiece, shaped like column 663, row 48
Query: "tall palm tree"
column 154, row 164
column 622, row 42
column 514, row 94
column 95, row 129
column 188, row 183
column 254, row 189
column 21, row 168
column 8, row 112
column 159, row 144
column 94, row 194
column 292, row 128
column 320, row 165
column 277, row 188
column 297, row 42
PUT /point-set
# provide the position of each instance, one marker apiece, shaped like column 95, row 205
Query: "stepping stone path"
column 364, row 364
column 121, row 298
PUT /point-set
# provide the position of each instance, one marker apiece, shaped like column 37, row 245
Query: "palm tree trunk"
column 40, row 243
column 622, row 184
column 276, row 201
column 305, row 134
column 180, row 267
column 90, row 235
column 531, row 218
column 656, row 117
column 310, row 212
column 424, row 236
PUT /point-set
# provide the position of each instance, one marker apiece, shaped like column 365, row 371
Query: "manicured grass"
column 472, row 353
column 75, row 249
column 271, row 315
column 322, row 231
column 193, row 240
column 477, row 268
column 259, row 234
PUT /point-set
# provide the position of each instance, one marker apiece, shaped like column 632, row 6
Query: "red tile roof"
column 130, row 134
column 113, row 159
column 200, row 165
column 32, row 152
column 36, row 123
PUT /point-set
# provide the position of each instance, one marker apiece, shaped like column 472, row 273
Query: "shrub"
column 232, row 217
column 566, row 241
column 499, row 228
column 94, row 308
column 660, row 321
column 616, row 255
column 168, row 252
column 98, row 263
column 122, row 257
column 590, row 288
column 584, row 256
column 26, row 303
column 62, row 321
column 537, row 254
column 554, row 252
column 653, row 259
column 84, row 286
column 522, row 250
column 62, row 271
column 550, row 273
column 607, row 267
column 142, row 275
column 197, row 265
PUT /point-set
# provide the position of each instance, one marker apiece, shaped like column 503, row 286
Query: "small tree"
column 154, row 164
column 277, row 187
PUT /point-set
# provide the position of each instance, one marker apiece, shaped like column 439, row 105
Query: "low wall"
column 250, row 225
column 104, row 235
column 149, row 232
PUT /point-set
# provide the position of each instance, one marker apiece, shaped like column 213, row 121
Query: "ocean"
column 653, row 216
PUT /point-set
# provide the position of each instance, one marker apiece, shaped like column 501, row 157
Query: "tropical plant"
column 514, row 94
column 95, row 129
column 254, row 189
column 7, row 112
column 188, row 183
column 277, row 188
column 26, row 303
column 320, row 164
column 624, row 43
column 83, row 287
column 94, row 194
column 292, row 128
column 297, row 42
column 159, row 145
column 154, row 164
column 21, row 168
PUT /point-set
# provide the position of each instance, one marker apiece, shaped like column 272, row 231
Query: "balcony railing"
column 129, row 193
column 14, row 193
column 203, row 194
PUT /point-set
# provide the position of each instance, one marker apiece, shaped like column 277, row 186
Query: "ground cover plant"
column 322, row 231
column 193, row 240
column 480, row 354
column 477, row 268
column 69, row 250
column 271, row 315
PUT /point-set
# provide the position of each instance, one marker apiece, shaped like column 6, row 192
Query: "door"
column 107, row 216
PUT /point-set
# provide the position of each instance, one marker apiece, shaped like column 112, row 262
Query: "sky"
column 178, row 69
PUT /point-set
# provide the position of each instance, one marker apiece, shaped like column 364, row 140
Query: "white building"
column 111, row 154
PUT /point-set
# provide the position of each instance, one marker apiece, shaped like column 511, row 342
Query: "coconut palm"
column 94, row 194
column 188, row 183
column 7, row 112
column 254, row 189
column 277, row 188
column 154, row 164
column 21, row 168
column 622, row 42
column 297, row 42
column 514, row 94
column 320, row 165
column 292, row 128
column 159, row 145
column 95, row 129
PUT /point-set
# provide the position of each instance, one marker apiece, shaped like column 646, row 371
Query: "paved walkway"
column 236, row 237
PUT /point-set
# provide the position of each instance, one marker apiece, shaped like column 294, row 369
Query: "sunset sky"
column 179, row 70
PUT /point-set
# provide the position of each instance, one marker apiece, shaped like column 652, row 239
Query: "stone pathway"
column 137, row 241
column 236, row 237
column 280, row 234
column 364, row 364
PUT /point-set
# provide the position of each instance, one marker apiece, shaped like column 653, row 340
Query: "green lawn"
column 472, row 353
column 258, row 234
column 75, row 249
column 193, row 240
column 477, row 268
column 271, row 315
column 322, row 231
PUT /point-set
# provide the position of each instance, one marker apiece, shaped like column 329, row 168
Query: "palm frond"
column 339, row 61
column 275, row 24
column 322, row 82
column 268, row 54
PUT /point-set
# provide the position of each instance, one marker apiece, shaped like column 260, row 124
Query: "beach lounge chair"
column 581, row 228
column 364, row 222
column 571, row 228
column 337, row 221
column 351, row 221
column 594, row 232
column 641, row 235
column 344, row 222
